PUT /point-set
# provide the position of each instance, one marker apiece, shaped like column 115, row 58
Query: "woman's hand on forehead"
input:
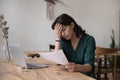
column 58, row 30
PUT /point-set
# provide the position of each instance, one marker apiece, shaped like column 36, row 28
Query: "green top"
column 84, row 53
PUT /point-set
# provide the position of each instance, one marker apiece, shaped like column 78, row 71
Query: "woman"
column 78, row 46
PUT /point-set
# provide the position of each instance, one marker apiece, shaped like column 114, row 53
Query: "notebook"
column 19, row 58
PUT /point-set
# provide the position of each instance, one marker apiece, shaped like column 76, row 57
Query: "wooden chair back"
column 105, row 51
column 98, row 62
column 106, row 54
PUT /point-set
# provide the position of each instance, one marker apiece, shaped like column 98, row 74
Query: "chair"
column 51, row 47
column 118, row 66
column 118, row 74
column 108, row 64
column 98, row 62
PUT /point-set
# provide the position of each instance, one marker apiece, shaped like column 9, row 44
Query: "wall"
column 30, row 27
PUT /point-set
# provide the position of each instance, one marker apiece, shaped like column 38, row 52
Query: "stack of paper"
column 56, row 56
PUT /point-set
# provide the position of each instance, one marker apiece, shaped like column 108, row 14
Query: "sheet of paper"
column 56, row 56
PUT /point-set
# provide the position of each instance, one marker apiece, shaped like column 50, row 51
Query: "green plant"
column 112, row 45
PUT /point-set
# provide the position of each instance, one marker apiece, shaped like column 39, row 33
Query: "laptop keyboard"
column 36, row 65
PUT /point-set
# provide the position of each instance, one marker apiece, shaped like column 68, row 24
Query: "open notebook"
column 19, row 58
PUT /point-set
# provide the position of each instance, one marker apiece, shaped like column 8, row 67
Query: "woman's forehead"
column 65, row 26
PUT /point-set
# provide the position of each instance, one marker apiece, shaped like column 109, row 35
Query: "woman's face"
column 67, row 31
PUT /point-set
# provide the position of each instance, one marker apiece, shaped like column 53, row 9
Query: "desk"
column 9, row 71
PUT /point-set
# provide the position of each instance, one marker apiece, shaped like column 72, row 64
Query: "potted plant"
column 4, row 30
column 113, row 45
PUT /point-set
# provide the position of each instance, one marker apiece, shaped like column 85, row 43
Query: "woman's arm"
column 72, row 67
column 57, row 45
column 58, row 30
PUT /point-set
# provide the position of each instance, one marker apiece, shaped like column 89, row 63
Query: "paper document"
column 56, row 56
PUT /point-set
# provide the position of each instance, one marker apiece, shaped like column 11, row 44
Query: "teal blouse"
column 84, row 53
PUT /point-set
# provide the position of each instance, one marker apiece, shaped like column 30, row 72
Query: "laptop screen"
column 19, row 58
column 17, row 55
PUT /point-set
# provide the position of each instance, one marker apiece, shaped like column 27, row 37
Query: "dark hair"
column 65, row 20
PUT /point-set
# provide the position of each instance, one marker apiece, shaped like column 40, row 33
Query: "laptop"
column 19, row 58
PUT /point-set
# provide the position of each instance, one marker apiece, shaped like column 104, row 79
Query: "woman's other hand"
column 72, row 67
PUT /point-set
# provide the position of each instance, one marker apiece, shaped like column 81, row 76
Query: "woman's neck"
column 74, row 38
column 74, row 41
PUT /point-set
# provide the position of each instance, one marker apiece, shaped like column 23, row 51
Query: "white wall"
column 30, row 27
